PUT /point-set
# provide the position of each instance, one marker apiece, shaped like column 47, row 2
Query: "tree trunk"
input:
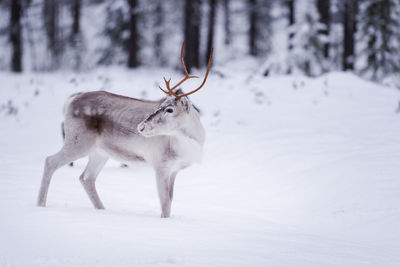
column 159, row 35
column 291, row 19
column 76, row 39
column 211, row 27
column 50, row 15
column 291, row 11
column 133, row 46
column 192, row 33
column 76, row 17
column 253, row 31
column 386, row 37
column 227, row 22
column 323, row 7
column 16, row 35
column 350, row 9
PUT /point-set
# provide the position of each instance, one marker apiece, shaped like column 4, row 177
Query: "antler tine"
column 183, row 63
column 187, row 76
column 163, row 90
column 170, row 91
column 205, row 77
column 167, row 84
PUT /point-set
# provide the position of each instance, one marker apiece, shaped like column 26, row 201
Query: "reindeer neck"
column 192, row 129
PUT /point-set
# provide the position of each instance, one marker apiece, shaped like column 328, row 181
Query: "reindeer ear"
column 185, row 103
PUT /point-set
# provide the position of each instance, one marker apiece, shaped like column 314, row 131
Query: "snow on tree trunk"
column 307, row 55
column 350, row 9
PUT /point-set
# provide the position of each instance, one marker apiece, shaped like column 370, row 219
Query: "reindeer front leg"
column 165, row 189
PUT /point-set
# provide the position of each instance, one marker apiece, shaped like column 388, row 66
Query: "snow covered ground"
column 297, row 172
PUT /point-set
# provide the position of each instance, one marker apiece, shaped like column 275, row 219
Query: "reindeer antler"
column 170, row 91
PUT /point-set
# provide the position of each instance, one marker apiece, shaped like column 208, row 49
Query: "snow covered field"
column 297, row 172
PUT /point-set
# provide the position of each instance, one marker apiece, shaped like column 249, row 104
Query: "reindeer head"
column 174, row 111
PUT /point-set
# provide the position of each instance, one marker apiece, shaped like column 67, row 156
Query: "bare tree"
column 323, row 7
column 290, row 4
column 133, row 45
column 291, row 11
column 253, row 30
column 75, row 35
column 259, row 26
column 227, row 22
column 76, row 17
column 52, row 27
column 350, row 10
column 192, row 33
column 159, row 32
column 16, row 35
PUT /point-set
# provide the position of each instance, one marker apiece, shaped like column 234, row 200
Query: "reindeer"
column 166, row 135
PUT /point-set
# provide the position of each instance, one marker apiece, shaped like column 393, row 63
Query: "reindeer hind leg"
column 75, row 147
column 54, row 162
column 88, row 177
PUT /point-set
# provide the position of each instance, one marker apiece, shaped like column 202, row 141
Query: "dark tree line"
column 50, row 14
column 313, row 43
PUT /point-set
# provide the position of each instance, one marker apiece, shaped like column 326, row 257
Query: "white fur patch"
column 100, row 110
column 87, row 110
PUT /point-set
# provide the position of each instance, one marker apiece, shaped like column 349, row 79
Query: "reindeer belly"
column 124, row 152
column 133, row 149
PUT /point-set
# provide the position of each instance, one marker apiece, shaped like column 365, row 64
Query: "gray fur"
column 166, row 135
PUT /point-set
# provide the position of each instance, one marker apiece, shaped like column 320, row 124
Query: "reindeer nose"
column 141, row 128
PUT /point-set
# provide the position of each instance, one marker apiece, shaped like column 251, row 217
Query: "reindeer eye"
column 169, row 110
